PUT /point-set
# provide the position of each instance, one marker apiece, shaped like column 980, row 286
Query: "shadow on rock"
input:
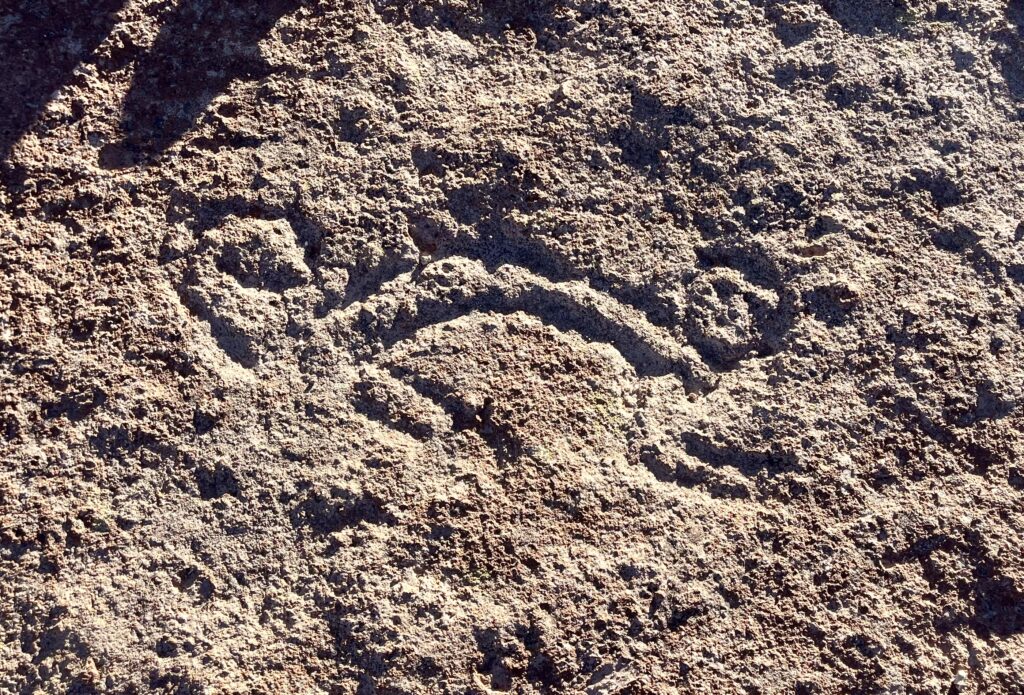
column 870, row 16
column 1011, row 56
column 41, row 44
column 202, row 47
column 479, row 18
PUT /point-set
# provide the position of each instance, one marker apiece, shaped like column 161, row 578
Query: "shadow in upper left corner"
column 202, row 47
column 41, row 44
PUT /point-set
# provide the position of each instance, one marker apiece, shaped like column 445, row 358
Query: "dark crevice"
column 373, row 402
column 466, row 416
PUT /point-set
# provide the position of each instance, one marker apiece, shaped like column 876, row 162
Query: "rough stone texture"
column 472, row 346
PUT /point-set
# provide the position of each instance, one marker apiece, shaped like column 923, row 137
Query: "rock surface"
column 531, row 346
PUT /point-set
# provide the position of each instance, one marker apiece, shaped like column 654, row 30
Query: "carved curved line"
column 566, row 306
